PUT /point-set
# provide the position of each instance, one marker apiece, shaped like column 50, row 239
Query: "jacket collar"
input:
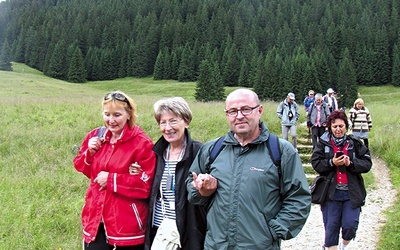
column 160, row 146
column 264, row 134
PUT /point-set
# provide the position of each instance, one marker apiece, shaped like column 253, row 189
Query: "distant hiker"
column 308, row 100
column 317, row 117
column 288, row 112
column 361, row 120
column 331, row 100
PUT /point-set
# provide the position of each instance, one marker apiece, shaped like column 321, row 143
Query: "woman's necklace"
column 169, row 154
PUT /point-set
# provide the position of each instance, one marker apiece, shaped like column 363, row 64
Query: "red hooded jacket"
column 123, row 205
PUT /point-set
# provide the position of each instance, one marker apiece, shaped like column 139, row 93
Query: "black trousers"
column 316, row 134
column 101, row 242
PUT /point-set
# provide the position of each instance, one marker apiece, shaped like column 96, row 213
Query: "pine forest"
column 272, row 46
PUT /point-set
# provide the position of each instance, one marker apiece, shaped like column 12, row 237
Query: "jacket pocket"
column 137, row 215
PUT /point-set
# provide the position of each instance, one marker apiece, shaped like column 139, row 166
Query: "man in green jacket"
column 241, row 186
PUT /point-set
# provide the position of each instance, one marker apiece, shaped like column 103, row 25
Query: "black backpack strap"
column 216, row 149
column 275, row 153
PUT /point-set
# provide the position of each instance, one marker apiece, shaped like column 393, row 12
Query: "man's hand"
column 206, row 184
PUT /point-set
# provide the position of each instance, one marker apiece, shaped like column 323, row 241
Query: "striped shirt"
column 167, row 193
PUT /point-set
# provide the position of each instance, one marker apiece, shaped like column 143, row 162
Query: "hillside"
column 274, row 46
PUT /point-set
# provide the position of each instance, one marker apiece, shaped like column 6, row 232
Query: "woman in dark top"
column 175, row 152
column 348, row 158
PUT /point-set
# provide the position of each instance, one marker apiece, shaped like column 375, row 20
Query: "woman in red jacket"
column 116, row 203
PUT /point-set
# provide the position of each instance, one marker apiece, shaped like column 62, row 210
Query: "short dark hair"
column 337, row 114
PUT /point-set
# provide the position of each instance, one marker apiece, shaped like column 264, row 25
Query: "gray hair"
column 318, row 95
column 176, row 105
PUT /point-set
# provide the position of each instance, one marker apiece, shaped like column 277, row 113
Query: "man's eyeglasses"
column 171, row 123
column 117, row 96
column 244, row 110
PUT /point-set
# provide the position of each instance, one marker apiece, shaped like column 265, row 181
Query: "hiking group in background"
column 360, row 122
column 288, row 112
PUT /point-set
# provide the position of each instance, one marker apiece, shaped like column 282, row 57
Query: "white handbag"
column 167, row 236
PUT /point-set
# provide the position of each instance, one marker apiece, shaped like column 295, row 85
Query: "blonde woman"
column 116, row 202
column 361, row 120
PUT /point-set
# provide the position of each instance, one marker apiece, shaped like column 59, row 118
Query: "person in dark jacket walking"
column 241, row 188
column 348, row 158
column 175, row 151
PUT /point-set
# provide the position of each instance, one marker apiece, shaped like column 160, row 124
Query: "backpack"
column 273, row 149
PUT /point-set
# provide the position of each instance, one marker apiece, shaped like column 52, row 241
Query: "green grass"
column 385, row 142
column 42, row 118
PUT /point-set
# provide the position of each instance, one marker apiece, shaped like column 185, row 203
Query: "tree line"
column 272, row 46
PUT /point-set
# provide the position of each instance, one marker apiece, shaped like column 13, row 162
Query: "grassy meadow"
column 43, row 118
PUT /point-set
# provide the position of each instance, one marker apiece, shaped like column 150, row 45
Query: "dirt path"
column 371, row 219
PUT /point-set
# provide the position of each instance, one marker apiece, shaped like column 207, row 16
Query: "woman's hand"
column 101, row 179
column 135, row 169
column 94, row 144
column 342, row 160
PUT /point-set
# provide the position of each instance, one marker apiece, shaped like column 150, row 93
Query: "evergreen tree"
column 310, row 79
column 174, row 65
column 204, row 83
column 108, row 64
column 123, row 63
column 186, row 68
column 396, row 67
column 323, row 72
column 19, row 48
column 76, row 70
column 5, row 57
column 300, row 67
column 90, row 58
column 269, row 76
column 347, row 81
column 159, row 67
column 218, row 84
column 57, row 67
column 209, row 85
column 382, row 71
column 365, row 72
column 230, row 65
column 255, row 75
column 167, row 72
column 244, row 74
